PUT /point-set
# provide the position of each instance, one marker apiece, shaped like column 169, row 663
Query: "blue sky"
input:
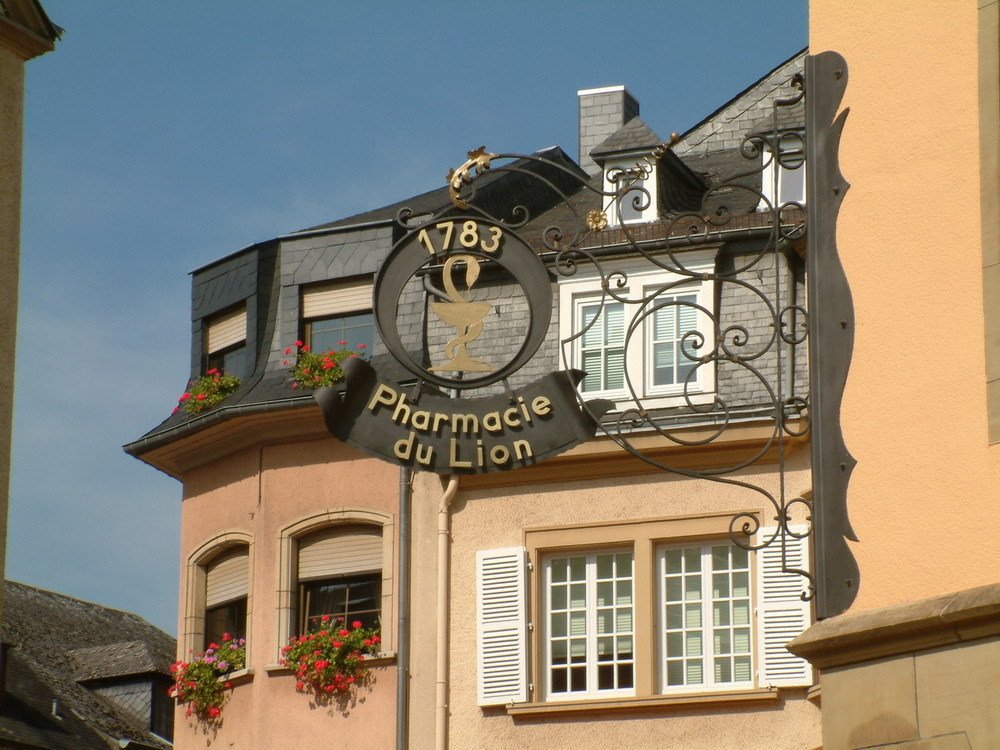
column 160, row 136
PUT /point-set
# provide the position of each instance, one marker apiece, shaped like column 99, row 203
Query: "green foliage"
column 330, row 659
column 319, row 369
column 205, row 392
column 198, row 682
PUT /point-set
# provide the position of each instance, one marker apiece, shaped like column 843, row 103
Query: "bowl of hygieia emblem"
column 465, row 316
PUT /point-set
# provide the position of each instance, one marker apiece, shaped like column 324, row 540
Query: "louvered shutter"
column 226, row 330
column 501, row 658
column 782, row 614
column 226, row 577
column 336, row 299
column 340, row 550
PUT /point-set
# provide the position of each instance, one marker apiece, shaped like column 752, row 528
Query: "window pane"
column 605, row 593
column 674, row 560
column 605, row 566
column 675, row 673
column 596, row 627
column 356, row 331
column 595, row 334
column 614, row 369
column 614, row 326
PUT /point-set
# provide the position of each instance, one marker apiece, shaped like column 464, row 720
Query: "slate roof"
column 707, row 154
column 634, row 135
column 55, row 640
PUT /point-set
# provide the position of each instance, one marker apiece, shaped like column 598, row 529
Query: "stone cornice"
column 902, row 628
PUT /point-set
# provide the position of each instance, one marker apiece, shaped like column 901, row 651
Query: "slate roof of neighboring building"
column 53, row 642
column 635, row 135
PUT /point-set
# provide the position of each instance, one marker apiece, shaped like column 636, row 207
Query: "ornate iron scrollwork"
column 770, row 358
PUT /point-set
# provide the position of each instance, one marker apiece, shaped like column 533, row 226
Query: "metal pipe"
column 444, row 571
column 403, row 626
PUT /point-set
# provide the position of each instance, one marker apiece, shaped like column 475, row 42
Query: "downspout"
column 403, row 628
column 441, row 697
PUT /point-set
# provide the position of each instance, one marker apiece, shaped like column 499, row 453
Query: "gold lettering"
column 421, row 420
column 453, row 457
column 541, row 405
column 479, row 452
column 424, row 454
column 491, row 422
column 522, row 450
column 403, row 449
column 439, row 417
column 468, row 423
column 401, row 413
column 499, row 454
column 524, row 409
column 510, row 417
column 379, row 397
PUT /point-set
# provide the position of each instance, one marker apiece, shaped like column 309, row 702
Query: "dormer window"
column 634, row 188
column 783, row 179
column 226, row 342
column 338, row 312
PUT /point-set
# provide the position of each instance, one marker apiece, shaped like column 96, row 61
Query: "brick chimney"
column 602, row 112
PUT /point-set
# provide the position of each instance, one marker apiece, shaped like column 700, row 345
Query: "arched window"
column 219, row 591
column 337, row 563
column 227, row 579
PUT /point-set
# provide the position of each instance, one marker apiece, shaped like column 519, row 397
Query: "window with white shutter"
column 501, row 648
column 781, row 612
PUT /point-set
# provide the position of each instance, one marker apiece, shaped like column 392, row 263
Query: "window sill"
column 641, row 703
column 382, row 660
column 239, row 677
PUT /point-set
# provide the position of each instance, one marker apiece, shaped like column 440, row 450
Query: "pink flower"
column 288, row 350
column 175, row 410
column 200, row 397
column 343, row 631
column 362, row 346
column 342, row 343
column 295, row 386
column 337, row 644
column 226, row 637
column 300, row 686
column 298, row 343
column 286, row 363
column 213, row 646
column 213, row 371
column 356, row 624
column 227, row 685
column 214, row 711
column 325, row 618
column 305, row 348
column 184, row 396
column 322, row 664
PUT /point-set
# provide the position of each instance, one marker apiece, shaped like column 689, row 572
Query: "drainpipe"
column 441, row 693
column 403, row 628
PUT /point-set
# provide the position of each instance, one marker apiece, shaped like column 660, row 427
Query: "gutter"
column 220, row 414
column 403, row 627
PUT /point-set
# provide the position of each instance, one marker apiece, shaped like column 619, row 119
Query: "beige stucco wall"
column 260, row 491
column 491, row 518
column 923, row 497
column 11, row 118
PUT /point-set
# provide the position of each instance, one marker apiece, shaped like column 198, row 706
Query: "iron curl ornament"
column 747, row 283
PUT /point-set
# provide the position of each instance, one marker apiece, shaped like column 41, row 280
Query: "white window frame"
column 590, row 608
column 585, row 288
column 648, row 181
column 791, row 147
column 707, row 626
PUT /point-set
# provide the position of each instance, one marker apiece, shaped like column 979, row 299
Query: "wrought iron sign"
column 722, row 318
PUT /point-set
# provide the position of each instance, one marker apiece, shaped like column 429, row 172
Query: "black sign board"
column 434, row 432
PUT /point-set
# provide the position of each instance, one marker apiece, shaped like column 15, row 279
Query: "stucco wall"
column 261, row 491
column 484, row 519
column 11, row 115
column 923, row 496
